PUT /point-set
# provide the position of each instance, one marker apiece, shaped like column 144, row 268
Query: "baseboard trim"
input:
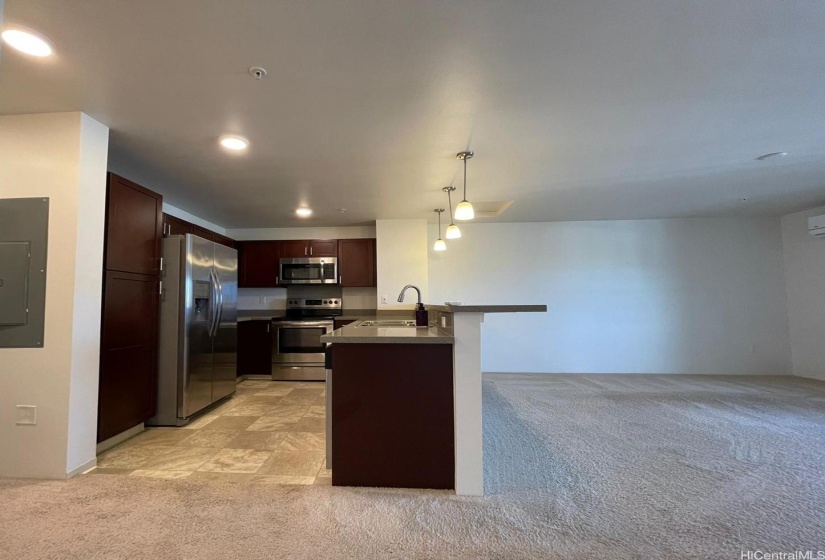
column 119, row 438
column 260, row 377
column 82, row 468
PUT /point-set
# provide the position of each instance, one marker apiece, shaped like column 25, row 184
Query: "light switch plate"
column 26, row 415
column 384, row 300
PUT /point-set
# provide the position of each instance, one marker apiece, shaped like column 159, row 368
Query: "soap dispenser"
column 422, row 318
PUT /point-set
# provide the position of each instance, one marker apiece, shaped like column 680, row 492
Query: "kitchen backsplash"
column 275, row 298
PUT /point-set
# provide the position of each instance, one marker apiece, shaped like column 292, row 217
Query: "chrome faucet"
column 407, row 287
column 421, row 316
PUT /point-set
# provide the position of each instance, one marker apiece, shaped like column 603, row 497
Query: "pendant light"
column 452, row 231
column 439, row 243
column 464, row 210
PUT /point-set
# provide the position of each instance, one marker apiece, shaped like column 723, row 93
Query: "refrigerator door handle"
column 213, row 304
column 220, row 303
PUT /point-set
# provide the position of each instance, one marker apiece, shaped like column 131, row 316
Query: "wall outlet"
column 383, row 300
column 26, row 415
column 262, row 299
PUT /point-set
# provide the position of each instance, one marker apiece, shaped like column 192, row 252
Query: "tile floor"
column 270, row 432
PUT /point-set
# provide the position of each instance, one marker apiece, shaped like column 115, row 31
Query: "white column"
column 469, row 450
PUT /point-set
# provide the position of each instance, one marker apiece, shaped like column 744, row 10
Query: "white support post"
column 469, row 451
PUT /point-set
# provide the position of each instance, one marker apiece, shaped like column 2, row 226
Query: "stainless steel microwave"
column 309, row 270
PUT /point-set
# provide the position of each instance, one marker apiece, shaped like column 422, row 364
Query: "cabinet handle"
column 160, row 288
column 310, row 251
column 340, row 279
column 305, row 251
column 161, row 264
column 267, row 327
column 276, row 280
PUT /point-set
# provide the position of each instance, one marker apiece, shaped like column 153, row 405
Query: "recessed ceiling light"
column 233, row 142
column 772, row 155
column 27, row 42
column 304, row 212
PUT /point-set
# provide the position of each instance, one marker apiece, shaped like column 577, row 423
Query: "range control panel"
column 303, row 303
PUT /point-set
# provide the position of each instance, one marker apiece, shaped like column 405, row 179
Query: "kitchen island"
column 400, row 394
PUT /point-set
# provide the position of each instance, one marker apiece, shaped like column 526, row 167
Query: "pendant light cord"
column 465, row 179
column 450, row 200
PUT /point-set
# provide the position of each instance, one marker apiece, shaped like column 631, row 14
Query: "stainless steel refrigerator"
column 198, row 328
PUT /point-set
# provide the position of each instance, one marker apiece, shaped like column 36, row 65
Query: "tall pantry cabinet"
column 131, row 286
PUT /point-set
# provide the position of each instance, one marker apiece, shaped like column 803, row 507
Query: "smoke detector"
column 257, row 72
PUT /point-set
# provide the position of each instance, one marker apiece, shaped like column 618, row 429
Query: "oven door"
column 299, row 342
column 315, row 270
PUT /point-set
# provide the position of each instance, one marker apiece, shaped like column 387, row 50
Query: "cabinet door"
column 134, row 227
column 224, row 240
column 323, row 248
column 203, row 232
column 356, row 263
column 294, row 249
column 255, row 347
column 128, row 353
column 259, row 264
column 175, row 226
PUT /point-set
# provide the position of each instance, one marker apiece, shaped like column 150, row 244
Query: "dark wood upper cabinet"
column 298, row 248
column 323, row 248
column 134, row 222
column 356, row 263
column 258, row 264
column 224, row 240
column 203, row 232
column 254, row 347
column 175, row 226
column 294, row 248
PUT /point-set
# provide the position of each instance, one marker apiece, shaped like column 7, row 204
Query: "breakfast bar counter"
column 406, row 401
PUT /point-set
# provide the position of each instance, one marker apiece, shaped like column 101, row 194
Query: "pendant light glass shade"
column 452, row 230
column 464, row 211
column 439, row 244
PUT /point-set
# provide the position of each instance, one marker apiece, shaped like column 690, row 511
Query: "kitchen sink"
column 388, row 323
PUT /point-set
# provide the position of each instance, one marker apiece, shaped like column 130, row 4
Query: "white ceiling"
column 576, row 110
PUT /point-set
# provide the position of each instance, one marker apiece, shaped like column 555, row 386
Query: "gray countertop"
column 356, row 334
column 489, row 308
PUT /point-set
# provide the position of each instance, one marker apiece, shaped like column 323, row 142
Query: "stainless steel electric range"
column 297, row 350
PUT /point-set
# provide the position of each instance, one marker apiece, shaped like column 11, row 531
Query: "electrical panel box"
column 24, row 229
column 14, row 281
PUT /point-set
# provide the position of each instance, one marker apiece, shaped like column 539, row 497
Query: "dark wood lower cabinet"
column 338, row 323
column 128, row 352
column 392, row 415
column 255, row 347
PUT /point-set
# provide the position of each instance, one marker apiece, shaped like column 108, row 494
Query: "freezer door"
column 226, row 333
column 195, row 391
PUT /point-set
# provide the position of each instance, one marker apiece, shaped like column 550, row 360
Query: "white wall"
column 805, row 281
column 401, row 250
column 647, row 296
column 61, row 156
column 184, row 215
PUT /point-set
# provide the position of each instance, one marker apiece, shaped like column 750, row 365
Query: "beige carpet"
column 577, row 467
